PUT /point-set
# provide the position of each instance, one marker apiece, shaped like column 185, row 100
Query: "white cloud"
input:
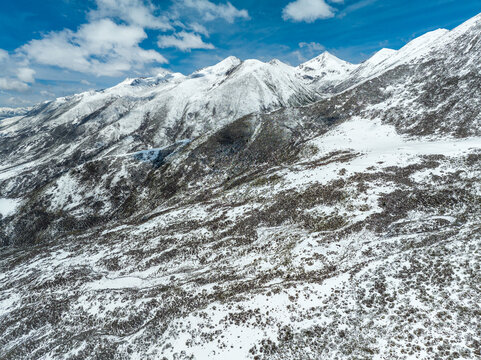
column 105, row 47
column 307, row 10
column 312, row 46
column 26, row 75
column 12, row 84
column 134, row 12
column 17, row 101
column 200, row 29
column 211, row 11
column 183, row 41
column 298, row 55
column 308, row 50
column 111, row 44
column 101, row 48
column 86, row 82
column 14, row 75
column 3, row 55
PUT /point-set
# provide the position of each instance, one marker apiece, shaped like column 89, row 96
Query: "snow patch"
column 8, row 206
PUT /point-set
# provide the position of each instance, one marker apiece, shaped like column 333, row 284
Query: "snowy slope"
column 429, row 87
column 385, row 59
column 414, row 52
column 356, row 226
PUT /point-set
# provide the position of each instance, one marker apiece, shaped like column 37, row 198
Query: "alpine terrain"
column 251, row 210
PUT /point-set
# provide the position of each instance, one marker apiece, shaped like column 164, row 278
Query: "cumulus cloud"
column 86, row 82
column 14, row 74
column 26, row 75
column 308, row 10
column 200, row 29
column 12, row 84
column 183, row 41
column 111, row 42
column 312, row 46
column 134, row 12
column 307, row 50
column 17, row 101
column 101, row 48
column 211, row 11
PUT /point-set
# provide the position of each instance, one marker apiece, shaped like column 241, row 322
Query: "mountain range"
column 251, row 210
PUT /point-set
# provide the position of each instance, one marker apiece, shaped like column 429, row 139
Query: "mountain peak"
column 231, row 60
column 221, row 67
column 162, row 72
column 325, row 58
column 380, row 56
column 326, row 67
column 276, row 62
column 326, row 61
column 327, row 55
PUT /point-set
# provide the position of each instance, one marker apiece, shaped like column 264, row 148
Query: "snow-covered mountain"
column 325, row 71
column 6, row 112
column 139, row 114
column 251, row 210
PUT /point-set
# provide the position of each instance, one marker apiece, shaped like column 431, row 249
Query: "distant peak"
column 380, row 56
column 228, row 62
column 222, row 66
column 162, row 72
column 327, row 54
column 326, row 63
column 326, row 67
column 325, row 59
column 231, row 60
column 275, row 62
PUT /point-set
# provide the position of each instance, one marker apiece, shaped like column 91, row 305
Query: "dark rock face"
column 346, row 228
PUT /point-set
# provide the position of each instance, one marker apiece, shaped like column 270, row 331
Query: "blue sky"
column 54, row 48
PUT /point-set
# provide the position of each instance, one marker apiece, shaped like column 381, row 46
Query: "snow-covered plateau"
column 251, row 210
